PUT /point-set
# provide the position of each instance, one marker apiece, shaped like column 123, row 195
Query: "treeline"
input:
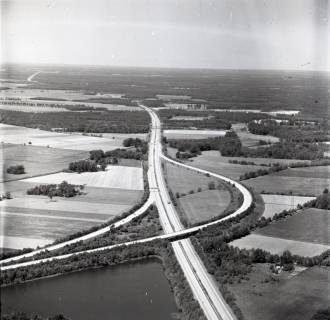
column 231, row 146
column 135, row 142
column 187, row 304
column 19, row 169
column 84, row 166
column 112, row 156
column 64, row 189
column 287, row 150
column 322, row 314
column 276, row 167
column 90, row 121
column 290, row 132
column 24, row 316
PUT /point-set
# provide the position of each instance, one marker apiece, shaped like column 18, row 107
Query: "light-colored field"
column 34, row 108
column 308, row 225
column 22, row 242
column 183, row 180
column 296, row 297
column 36, row 160
column 28, row 226
column 278, row 245
column 286, row 185
column 63, row 204
column 26, row 93
column 91, row 194
column 278, row 203
column 172, row 97
column 205, row 205
column 212, row 161
column 22, row 135
column 192, row 134
column 121, row 177
column 188, row 118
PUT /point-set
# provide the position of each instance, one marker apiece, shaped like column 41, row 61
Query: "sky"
column 235, row 34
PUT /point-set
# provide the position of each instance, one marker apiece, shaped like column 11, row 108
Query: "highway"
column 204, row 288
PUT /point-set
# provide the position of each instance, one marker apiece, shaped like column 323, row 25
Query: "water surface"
column 137, row 290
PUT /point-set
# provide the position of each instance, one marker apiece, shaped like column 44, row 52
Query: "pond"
column 136, row 290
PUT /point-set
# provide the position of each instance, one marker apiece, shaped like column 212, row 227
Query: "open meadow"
column 277, row 203
column 277, row 245
column 204, row 205
column 296, row 297
column 306, row 233
column 197, row 202
column 287, row 184
column 309, row 225
column 193, row 134
column 73, row 141
column 121, row 177
column 212, row 161
column 36, row 160
column 30, row 221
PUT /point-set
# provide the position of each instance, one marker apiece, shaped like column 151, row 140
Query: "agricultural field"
column 294, row 297
column 306, row 233
column 205, row 205
column 287, row 184
column 74, row 141
column 34, row 108
column 30, row 221
column 40, row 221
column 278, row 246
column 121, row 177
column 212, row 161
column 309, row 225
column 183, row 180
column 277, row 203
column 36, row 160
column 320, row 172
column 202, row 204
column 192, row 134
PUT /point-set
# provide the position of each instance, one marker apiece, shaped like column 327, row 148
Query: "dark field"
column 247, row 89
column 311, row 225
column 293, row 298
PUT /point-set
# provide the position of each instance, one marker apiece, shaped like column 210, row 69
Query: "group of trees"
column 95, row 121
column 64, row 189
column 228, row 145
column 84, row 166
column 111, row 157
column 18, row 169
column 23, row 316
column 262, row 172
column 322, row 201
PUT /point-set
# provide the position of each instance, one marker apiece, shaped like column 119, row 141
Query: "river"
column 136, row 290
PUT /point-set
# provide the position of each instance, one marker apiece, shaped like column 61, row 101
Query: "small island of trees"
column 19, row 169
column 64, row 189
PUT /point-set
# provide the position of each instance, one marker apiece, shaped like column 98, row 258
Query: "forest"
column 90, row 121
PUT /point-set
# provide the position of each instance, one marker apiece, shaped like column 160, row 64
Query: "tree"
column 211, row 185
